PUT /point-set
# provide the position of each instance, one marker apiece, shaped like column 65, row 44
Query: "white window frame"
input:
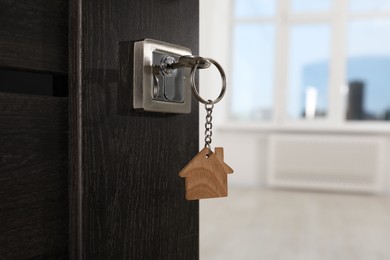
column 337, row 18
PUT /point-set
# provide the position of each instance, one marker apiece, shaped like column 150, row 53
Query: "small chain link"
column 208, row 125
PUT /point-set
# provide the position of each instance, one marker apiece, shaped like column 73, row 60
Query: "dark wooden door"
column 34, row 129
column 84, row 176
column 127, row 201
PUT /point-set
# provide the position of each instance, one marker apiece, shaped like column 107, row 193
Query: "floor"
column 292, row 225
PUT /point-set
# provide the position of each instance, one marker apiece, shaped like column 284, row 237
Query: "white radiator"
column 347, row 163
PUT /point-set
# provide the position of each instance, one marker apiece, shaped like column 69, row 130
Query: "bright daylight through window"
column 297, row 60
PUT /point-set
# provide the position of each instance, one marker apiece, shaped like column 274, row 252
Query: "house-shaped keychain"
column 206, row 175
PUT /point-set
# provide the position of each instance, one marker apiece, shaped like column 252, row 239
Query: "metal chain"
column 208, row 125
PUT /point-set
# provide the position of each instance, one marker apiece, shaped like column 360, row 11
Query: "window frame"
column 337, row 17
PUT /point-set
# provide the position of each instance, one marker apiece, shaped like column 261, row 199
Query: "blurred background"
column 305, row 125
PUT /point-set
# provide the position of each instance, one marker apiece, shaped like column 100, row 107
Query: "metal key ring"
column 193, row 84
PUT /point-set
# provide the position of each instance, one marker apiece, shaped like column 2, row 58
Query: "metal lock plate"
column 156, row 89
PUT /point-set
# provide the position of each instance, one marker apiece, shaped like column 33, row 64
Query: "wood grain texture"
column 33, row 177
column 127, row 201
column 34, row 35
column 221, row 156
column 206, row 175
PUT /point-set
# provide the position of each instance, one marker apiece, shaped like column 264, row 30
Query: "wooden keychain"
column 206, row 174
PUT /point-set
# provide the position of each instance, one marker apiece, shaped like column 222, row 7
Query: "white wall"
column 214, row 43
column 244, row 151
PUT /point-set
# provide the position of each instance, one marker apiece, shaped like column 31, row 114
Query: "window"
column 300, row 60
column 310, row 5
column 253, row 78
column 254, row 57
column 368, row 69
column 254, row 8
column 308, row 70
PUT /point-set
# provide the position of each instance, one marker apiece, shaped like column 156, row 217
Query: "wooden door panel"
column 34, row 206
column 33, row 177
column 127, row 201
column 34, row 35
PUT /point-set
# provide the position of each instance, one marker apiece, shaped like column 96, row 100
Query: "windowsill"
column 382, row 128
